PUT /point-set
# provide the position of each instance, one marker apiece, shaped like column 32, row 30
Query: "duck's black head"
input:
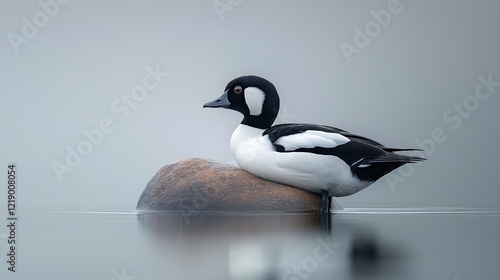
column 255, row 97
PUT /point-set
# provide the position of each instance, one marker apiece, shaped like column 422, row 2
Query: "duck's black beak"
column 221, row 102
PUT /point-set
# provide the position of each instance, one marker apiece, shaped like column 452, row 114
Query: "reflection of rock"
column 199, row 185
column 187, row 226
column 232, row 246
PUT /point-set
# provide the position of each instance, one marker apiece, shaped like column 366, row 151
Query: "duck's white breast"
column 255, row 153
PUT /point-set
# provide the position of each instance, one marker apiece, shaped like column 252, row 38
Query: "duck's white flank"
column 254, row 153
column 311, row 139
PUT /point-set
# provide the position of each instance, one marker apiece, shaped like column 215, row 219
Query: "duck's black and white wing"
column 369, row 160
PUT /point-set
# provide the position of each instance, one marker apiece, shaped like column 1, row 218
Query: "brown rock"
column 204, row 186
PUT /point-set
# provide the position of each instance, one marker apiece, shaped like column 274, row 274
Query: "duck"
column 317, row 158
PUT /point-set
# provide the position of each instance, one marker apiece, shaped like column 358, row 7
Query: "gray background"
column 396, row 90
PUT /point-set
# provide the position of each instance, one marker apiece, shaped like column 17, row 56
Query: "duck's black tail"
column 375, row 168
column 393, row 157
column 387, row 149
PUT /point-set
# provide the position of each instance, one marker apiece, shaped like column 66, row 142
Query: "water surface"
column 353, row 244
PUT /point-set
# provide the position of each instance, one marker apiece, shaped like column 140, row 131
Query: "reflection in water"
column 287, row 246
column 351, row 245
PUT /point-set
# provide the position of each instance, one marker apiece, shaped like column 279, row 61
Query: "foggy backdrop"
column 405, row 73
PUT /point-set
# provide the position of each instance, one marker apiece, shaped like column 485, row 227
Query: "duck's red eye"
column 238, row 89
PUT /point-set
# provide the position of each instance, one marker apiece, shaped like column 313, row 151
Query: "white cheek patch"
column 254, row 97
